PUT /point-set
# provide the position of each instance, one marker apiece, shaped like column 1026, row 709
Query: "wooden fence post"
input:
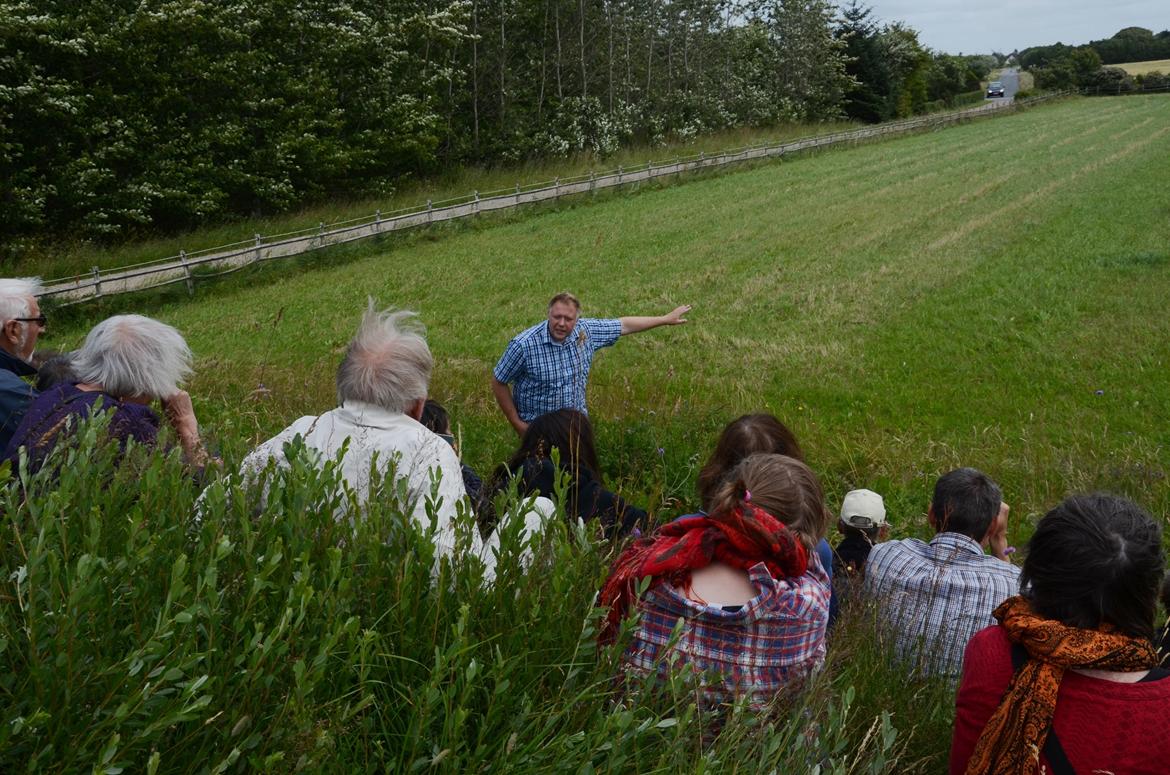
column 592, row 183
column 256, row 253
column 557, row 188
column 475, row 203
column 430, row 212
column 97, row 282
column 619, row 174
column 378, row 221
column 187, row 271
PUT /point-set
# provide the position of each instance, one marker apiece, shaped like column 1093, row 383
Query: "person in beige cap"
column 863, row 523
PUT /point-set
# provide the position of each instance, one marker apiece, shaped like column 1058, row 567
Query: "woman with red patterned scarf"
column 745, row 580
column 1068, row 681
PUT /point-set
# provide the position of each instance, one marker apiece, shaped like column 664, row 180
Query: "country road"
column 1010, row 78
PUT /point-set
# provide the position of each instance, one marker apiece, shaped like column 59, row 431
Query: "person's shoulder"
column 601, row 325
column 992, row 640
column 529, row 334
column 897, row 547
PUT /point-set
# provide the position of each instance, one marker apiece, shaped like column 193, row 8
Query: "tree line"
column 1059, row 66
column 122, row 116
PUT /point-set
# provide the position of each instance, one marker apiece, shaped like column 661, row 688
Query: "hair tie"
column 747, row 496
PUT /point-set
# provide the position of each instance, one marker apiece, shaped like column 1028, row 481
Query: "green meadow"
column 990, row 295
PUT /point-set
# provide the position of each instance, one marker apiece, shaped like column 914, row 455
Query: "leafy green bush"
column 268, row 634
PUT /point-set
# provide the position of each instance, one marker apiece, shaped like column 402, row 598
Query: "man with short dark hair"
column 21, row 324
column 548, row 364
column 937, row 595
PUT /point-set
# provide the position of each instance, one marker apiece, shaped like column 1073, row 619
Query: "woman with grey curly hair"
column 125, row 363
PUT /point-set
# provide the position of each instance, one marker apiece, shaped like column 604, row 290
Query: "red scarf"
column 694, row 542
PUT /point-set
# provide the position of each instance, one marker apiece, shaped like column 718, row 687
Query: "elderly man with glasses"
column 21, row 323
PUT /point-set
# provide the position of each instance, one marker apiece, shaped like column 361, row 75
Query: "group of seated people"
column 1056, row 660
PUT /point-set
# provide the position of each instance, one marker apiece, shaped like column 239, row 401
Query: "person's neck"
column 9, row 347
column 1114, row 675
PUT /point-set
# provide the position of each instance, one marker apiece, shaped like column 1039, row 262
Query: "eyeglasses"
column 40, row 321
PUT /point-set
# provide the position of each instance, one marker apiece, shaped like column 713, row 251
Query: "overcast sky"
column 961, row 26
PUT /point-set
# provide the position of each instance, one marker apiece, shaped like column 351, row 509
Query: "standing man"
column 21, row 323
column 548, row 364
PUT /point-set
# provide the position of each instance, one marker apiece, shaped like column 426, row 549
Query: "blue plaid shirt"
column 937, row 596
column 548, row 375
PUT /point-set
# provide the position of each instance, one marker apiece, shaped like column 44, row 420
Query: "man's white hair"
column 16, row 297
column 133, row 355
column 388, row 363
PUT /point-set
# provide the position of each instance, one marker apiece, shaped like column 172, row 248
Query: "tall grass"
column 146, row 628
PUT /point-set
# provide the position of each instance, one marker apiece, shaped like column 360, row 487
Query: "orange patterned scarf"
column 1014, row 736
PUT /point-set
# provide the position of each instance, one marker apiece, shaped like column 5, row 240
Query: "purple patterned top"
column 61, row 407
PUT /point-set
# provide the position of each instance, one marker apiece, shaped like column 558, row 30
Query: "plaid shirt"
column 937, row 596
column 549, row 375
column 777, row 638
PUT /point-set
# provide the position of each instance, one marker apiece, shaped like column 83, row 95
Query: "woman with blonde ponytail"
column 745, row 580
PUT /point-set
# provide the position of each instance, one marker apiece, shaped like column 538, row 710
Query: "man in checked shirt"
column 935, row 596
column 548, row 364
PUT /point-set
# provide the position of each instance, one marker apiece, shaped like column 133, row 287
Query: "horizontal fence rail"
column 213, row 262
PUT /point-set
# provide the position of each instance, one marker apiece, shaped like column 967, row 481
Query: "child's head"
column 863, row 513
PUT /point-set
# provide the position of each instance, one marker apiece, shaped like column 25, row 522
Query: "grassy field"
column 985, row 294
column 989, row 295
column 68, row 259
column 1141, row 68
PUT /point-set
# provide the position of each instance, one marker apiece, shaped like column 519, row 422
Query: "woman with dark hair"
column 568, row 433
column 752, row 594
column 1068, row 680
column 743, row 436
column 750, row 434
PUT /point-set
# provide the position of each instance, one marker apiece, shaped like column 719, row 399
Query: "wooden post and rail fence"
column 189, row 267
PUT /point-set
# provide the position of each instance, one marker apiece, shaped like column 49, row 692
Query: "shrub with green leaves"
column 267, row 634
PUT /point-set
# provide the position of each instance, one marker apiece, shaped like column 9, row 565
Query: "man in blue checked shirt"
column 548, row 364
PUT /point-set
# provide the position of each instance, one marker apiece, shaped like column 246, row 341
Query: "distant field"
column 989, row 295
column 1141, row 68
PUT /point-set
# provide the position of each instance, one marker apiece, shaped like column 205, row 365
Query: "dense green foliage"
column 1063, row 67
column 121, row 116
column 143, row 118
column 302, row 633
column 1132, row 44
column 894, row 75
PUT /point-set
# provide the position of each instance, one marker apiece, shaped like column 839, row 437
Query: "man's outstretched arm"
column 504, row 398
column 632, row 325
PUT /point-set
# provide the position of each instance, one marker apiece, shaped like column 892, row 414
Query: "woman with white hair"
column 126, row 362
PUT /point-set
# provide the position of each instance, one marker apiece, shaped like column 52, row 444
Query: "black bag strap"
column 1053, row 750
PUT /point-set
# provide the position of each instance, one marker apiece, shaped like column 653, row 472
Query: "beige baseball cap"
column 863, row 509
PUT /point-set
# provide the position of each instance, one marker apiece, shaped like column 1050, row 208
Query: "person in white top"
column 382, row 387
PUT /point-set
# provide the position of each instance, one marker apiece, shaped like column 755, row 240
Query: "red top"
column 1103, row 726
